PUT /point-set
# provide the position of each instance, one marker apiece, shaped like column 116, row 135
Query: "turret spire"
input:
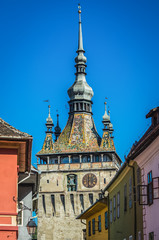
column 49, row 122
column 57, row 128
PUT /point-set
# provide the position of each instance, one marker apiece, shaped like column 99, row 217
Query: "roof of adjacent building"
column 94, row 208
column 7, row 131
column 149, row 136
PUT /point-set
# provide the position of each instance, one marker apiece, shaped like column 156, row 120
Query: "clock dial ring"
column 89, row 180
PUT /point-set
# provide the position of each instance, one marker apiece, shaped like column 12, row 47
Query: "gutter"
column 134, row 193
column 24, row 179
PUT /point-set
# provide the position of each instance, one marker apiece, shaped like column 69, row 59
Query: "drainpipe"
column 24, row 179
column 134, row 192
column 108, row 218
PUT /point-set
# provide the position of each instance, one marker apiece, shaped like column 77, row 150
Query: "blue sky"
column 37, row 49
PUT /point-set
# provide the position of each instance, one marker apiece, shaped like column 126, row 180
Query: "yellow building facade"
column 96, row 217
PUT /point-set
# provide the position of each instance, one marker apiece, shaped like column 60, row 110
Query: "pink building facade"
column 146, row 153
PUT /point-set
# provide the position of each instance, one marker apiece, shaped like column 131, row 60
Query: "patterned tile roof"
column 79, row 135
column 7, row 131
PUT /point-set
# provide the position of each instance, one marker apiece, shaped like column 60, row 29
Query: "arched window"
column 71, row 182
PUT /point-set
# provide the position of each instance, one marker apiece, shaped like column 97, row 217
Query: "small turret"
column 107, row 139
column 48, row 143
column 57, row 129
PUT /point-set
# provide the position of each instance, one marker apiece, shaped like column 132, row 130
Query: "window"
column 72, row 201
column 64, row 160
column 20, row 213
column 53, row 160
column 91, row 198
column 125, row 197
column 93, row 226
column 89, row 228
column 71, row 182
column 63, row 200
column 114, row 207
column 106, row 220
column 150, row 188
column 130, row 192
column 118, row 204
column 138, row 175
column 99, row 223
column 86, row 159
column 82, row 201
column 104, row 180
column 106, row 158
column 151, row 236
column 81, row 106
column 43, row 202
column 53, row 202
column 111, row 211
column 75, row 159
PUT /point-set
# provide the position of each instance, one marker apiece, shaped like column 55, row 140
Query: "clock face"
column 89, row 180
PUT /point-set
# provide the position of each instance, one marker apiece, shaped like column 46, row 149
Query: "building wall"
column 104, row 232
column 25, row 196
column 122, row 227
column 148, row 161
column 8, row 193
column 61, row 224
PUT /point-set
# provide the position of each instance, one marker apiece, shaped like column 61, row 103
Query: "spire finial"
column 106, row 117
column 49, row 119
column 49, row 110
column 79, row 11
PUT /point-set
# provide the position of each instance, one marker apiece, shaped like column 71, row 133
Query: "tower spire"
column 80, row 92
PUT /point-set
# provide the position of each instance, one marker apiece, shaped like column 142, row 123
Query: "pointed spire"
column 57, row 128
column 49, row 122
column 80, row 90
column 80, row 39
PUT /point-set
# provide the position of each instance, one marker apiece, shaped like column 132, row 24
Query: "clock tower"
column 77, row 165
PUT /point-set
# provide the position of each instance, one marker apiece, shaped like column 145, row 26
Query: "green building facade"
column 125, row 212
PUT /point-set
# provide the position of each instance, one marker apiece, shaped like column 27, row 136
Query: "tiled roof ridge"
column 7, row 125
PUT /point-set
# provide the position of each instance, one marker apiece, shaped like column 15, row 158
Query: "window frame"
column 99, row 224
column 114, row 207
column 93, row 226
column 150, row 188
column 118, row 205
column 106, row 220
column 125, row 198
column 111, row 212
column 89, row 228
column 130, row 192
